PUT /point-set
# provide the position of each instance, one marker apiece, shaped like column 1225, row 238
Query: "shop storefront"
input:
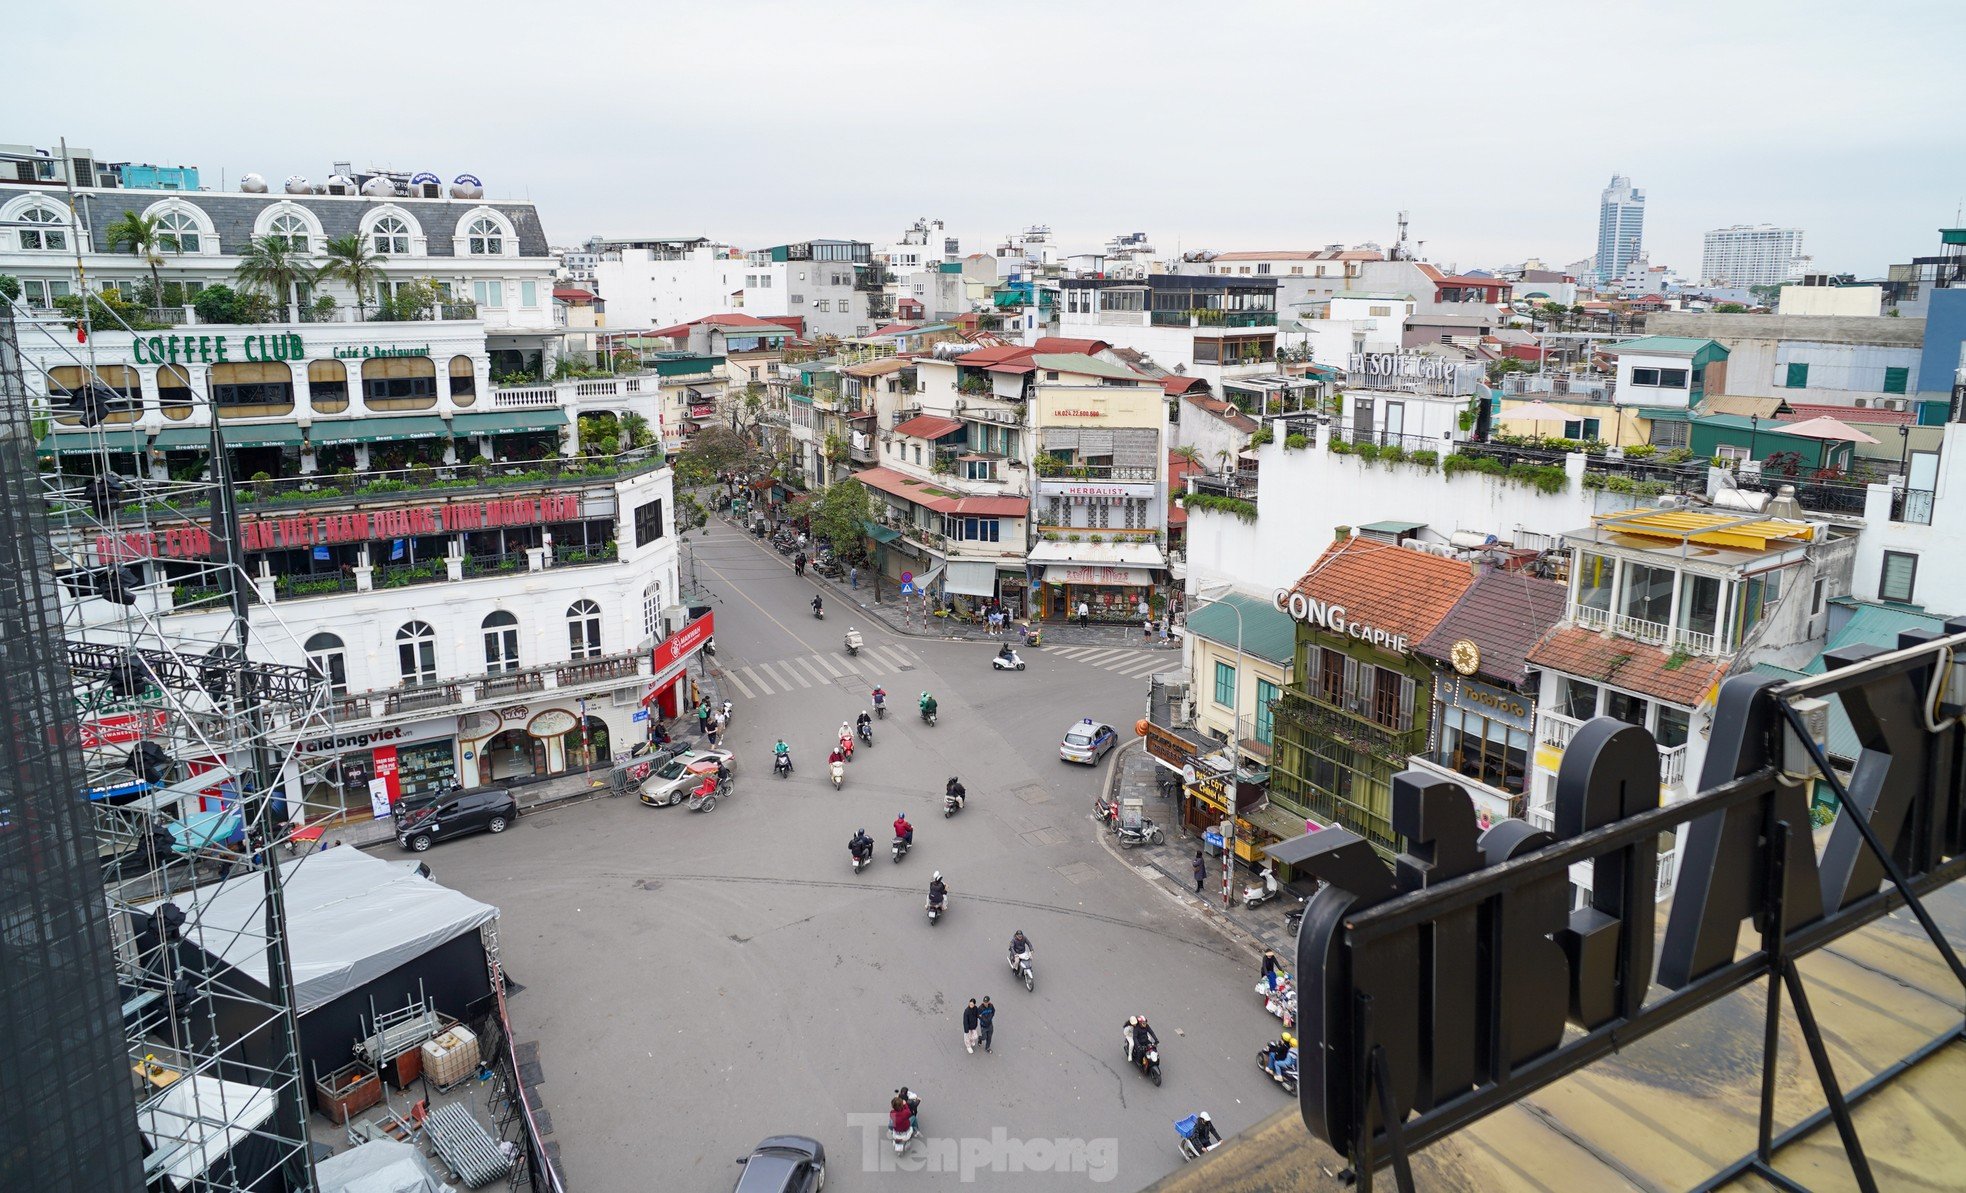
column 1110, row 579
column 1486, row 734
column 413, row 761
column 520, row 743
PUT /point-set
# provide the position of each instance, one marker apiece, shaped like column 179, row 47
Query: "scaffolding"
column 190, row 704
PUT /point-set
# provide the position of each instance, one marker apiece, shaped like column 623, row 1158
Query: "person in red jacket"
column 900, row 1115
column 903, row 829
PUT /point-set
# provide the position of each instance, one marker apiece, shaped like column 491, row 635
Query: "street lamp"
column 1904, row 446
column 1235, row 744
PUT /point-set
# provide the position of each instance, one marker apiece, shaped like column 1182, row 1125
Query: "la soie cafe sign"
column 1331, row 616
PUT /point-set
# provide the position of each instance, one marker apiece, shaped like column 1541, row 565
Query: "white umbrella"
column 1825, row 428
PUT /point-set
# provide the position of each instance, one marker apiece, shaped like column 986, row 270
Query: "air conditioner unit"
column 1861, row 403
column 961, row 405
column 1896, row 403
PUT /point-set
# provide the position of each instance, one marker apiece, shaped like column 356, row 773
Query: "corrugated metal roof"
column 1089, row 366
column 1663, row 345
column 1267, row 632
column 1715, row 530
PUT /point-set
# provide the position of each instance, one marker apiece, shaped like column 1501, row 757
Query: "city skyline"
column 751, row 147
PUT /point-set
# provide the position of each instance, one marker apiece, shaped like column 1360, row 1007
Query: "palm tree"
column 351, row 260
column 272, row 264
column 139, row 233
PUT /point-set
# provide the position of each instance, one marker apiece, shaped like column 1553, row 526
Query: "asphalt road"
column 700, row 981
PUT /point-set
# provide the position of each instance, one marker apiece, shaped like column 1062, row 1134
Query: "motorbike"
column 901, row 848
column 951, row 803
column 865, row 731
column 706, row 801
column 710, row 646
column 928, row 715
column 1148, row 833
column 880, row 708
column 853, row 642
column 901, row 1139
column 1020, row 964
column 1287, row 1081
column 1107, row 812
column 781, row 765
column 1009, row 662
column 839, row 774
column 819, row 613
column 1258, row 893
column 935, row 911
column 861, row 860
column 725, row 710
column 1294, row 918
column 1148, row 1064
column 1185, row 1128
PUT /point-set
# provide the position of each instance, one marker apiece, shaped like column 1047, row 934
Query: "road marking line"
column 816, row 674
column 1097, row 655
column 739, row 590
column 768, row 669
column 1137, row 669
column 739, row 685
column 763, row 687
column 1070, row 652
column 827, row 663
column 886, row 656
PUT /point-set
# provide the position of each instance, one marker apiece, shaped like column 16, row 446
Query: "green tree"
column 635, row 429
column 1730, row 308
column 139, row 234
column 351, row 259
column 840, row 514
column 9, row 287
column 274, row 267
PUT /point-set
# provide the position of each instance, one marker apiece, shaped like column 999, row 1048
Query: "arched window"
column 501, row 643
column 652, row 609
column 327, row 386
column 174, row 391
column 584, row 630
column 290, row 230
column 392, row 235
column 327, row 661
column 45, row 229
column 178, row 232
column 485, row 237
column 416, row 652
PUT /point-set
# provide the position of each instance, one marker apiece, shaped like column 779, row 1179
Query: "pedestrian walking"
column 986, row 1022
column 1201, row 871
column 972, row 1017
column 1085, row 614
column 703, row 717
column 1270, row 968
column 853, row 575
column 715, row 727
column 1147, row 631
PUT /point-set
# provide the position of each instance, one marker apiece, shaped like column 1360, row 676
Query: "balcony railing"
column 1640, row 629
column 1912, row 505
column 414, row 697
column 532, row 397
column 1100, row 472
column 1210, row 317
column 1555, row 729
column 1672, row 765
column 1590, row 617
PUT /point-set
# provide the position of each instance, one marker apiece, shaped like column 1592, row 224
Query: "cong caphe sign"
column 1438, row 989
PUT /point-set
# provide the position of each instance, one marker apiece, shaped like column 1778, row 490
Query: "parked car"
column 1087, row 742
column 486, row 809
column 672, row 782
column 784, row 1164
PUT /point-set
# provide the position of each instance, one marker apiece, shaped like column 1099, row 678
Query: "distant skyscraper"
column 1620, row 228
column 1763, row 255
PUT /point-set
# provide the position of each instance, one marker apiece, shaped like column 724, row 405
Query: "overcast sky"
column 1223, row 125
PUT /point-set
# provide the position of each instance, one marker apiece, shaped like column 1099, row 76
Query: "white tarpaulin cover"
column 195, row 1122
column 350, row 919
column 971, row 579
column 380, row 1166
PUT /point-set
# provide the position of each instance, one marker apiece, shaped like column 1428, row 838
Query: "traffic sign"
column 908, row 588
column 908, row 580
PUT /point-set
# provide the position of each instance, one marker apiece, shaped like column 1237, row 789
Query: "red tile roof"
column 736, row 320
column 928, row 426
column 1804, row 411
column 997, row 354
column 894, row 329
column 1623, row 663
column 1063, row 344
column 1387, row 587
column 572, row 294
column 1504, row 614
column 942, row 501
column 1176, row 386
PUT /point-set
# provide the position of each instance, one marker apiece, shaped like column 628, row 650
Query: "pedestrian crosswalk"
column 1120, row 661
column 806, row 672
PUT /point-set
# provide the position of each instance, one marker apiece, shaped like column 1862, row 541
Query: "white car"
column 672, row 782
column 1087, row 742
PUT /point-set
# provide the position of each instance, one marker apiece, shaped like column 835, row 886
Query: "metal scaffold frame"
column 190, row 708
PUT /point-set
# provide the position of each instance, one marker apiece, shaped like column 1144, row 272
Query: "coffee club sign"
column 357, row 526
column 1330, row 616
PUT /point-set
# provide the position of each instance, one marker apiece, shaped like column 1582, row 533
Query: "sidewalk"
column 893, row 616
column 1254, row 929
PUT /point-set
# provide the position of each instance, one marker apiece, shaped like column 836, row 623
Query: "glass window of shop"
column 327, row 386
column 252, row 390
column 1483, row 748
column 464, row 381
column 1595, row 575
column 588, row 750
column 174, row 397
column 426, row 769
column 399, row 383
column 512, row 754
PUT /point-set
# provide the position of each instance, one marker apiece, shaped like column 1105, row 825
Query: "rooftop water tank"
column 379, row 188
column 297, row 185
column 253, row 184
column 467, row 186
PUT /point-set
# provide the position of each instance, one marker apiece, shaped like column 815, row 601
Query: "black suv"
column 488, row 809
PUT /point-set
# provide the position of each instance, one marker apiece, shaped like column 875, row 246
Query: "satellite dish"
column 253, row 184
column 297, row 185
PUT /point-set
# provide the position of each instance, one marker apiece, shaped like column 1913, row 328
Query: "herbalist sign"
column 217, row 350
